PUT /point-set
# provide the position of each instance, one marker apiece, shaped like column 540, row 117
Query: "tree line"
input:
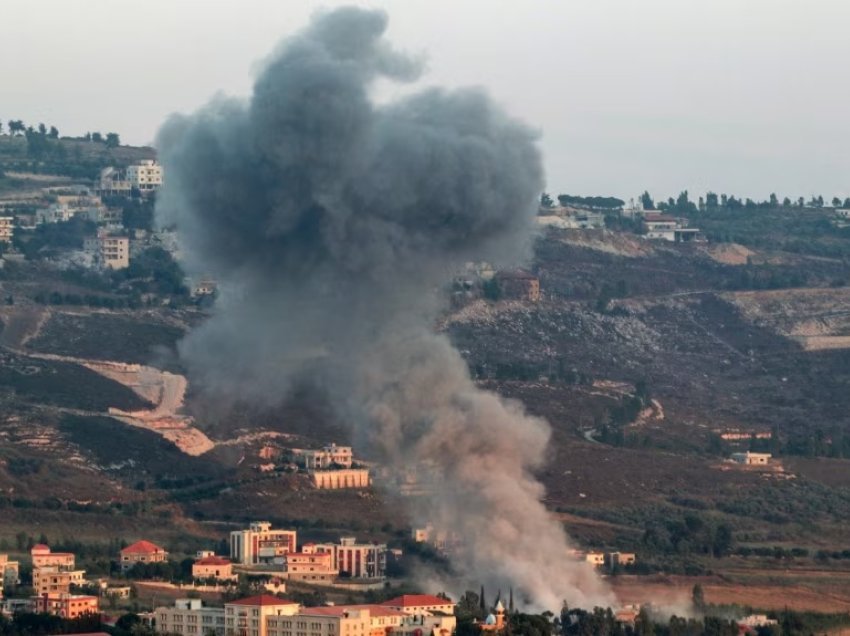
column 713, row 201
column 17, row 128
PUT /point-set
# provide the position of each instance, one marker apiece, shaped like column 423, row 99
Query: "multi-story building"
column 43, row 557
column 347, row 620
column 7, row 228
column 141, row 552
column 420, row 604
column 310, row 565
column 54, row 579
column 108, row 251
column 113, row 182
column 260, row 545
column 210, row 566
column 66, row 605
column 344, row 478
column 329, row 456
column 9, row 571
column 189, row 617
column 251, row 616
column 145, row 176
column 357, row 560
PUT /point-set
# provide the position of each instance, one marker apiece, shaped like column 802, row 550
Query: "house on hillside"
column 518, row 285
column 208, row 566
column 751, row 459
column 668, row 228
column 141, row 552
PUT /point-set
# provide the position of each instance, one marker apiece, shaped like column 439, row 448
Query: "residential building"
column 215, row 567
column 342, row 620
column 518, row 285
column 7, row 228
column 259, row 544
column 9, row 573
column 251, row 616
column 108, row 251
column 145, row 176
column 668, row 228
column 357, row 560
column 66, row 605
column 329, row 456
column 43, row 557
column 113, row 182
column 68, row 206
column 595, row 558
column 141, row 552
column 418, row 604
column 54, row 579
column 621, row 558
column 336, row 479
column 189, row 617
column 751, row 459
column 310, row 565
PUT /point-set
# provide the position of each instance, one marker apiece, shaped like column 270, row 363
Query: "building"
column 189, row 617
column 209, row 567
column 145, row 176
column 327, row 457
column 43, row 557
column 518, row 285
column 619, row 559
column 113, row 182
column 494, row 622
column 66, row 605
column 751, row 459
column 419, row 604
column 668, row 228
column 260, row 545
column 343, row 620
column 54, row 579
column 251, row 616
column 9, row 573
column 141, row 552
column 108, row 251
column 595, row 558
column 310, row 565
column 7, row 228
column 357, row 560
column 345, row 478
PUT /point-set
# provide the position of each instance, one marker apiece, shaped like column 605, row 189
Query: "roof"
column 416, row 600
column 339, row 610
column 142, row 547
column 212, row 560
column 655, row 216
column 262, row 600
column 40, row 547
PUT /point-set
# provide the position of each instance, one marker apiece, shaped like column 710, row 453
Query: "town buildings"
column 260, row 545
column 141, row 552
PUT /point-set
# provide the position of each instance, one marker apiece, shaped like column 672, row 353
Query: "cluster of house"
column 262, row 548
column 609, row 560
column 265, row 615
column 55, row 577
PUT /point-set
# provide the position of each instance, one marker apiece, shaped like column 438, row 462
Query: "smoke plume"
column 331, row 223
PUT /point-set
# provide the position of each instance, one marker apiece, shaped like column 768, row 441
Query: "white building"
column 751, row 459
column 189, row 617
column 108, row 251
column 329, row 456
column 357, row 560
column 260, row 545
column 145, row 176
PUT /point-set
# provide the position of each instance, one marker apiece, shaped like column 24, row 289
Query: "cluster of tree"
column 90, row 300
column 154, row 271
column 626, row 411
column 171, row 571
column 603, row 203
column 32, row 624
column 713, row 201
column 48, row 239
column 17, row 127
column 691, row 534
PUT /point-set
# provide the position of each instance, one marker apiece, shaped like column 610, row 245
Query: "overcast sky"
column 740, row 96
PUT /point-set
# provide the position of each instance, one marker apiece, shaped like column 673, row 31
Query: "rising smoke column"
column 330, row 223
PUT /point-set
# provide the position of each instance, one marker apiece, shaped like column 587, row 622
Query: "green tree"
column 16, row 126
column 836, row 202
column 54, row 133
column 546, row 200
column 698, row 598
column 646, row 201
column 97, row 137
column 112, row 140
column 774, row 200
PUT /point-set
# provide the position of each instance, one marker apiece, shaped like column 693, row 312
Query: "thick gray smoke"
column 331, row 223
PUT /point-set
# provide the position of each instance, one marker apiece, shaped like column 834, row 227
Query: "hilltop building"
column 260, row 545
column 141, row 552
column 518, row 285
column 668, row 228
column 751, row 459
column 332, row 467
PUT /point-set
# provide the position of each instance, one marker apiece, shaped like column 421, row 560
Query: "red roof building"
column 141, row 552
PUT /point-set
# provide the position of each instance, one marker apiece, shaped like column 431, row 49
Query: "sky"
column 746, row 97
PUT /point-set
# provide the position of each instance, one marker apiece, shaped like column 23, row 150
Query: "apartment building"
column 261, row 545
column 9, row 571
column 141, row 552
column 189, row 617
column 66, row 605
column 357, row 560
column 348, row 620
column 251, row 616
column 310, row 565
column 54, row 579
column 108, row 251
column 7, row 228
column 145, row 176
column 42, row 557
